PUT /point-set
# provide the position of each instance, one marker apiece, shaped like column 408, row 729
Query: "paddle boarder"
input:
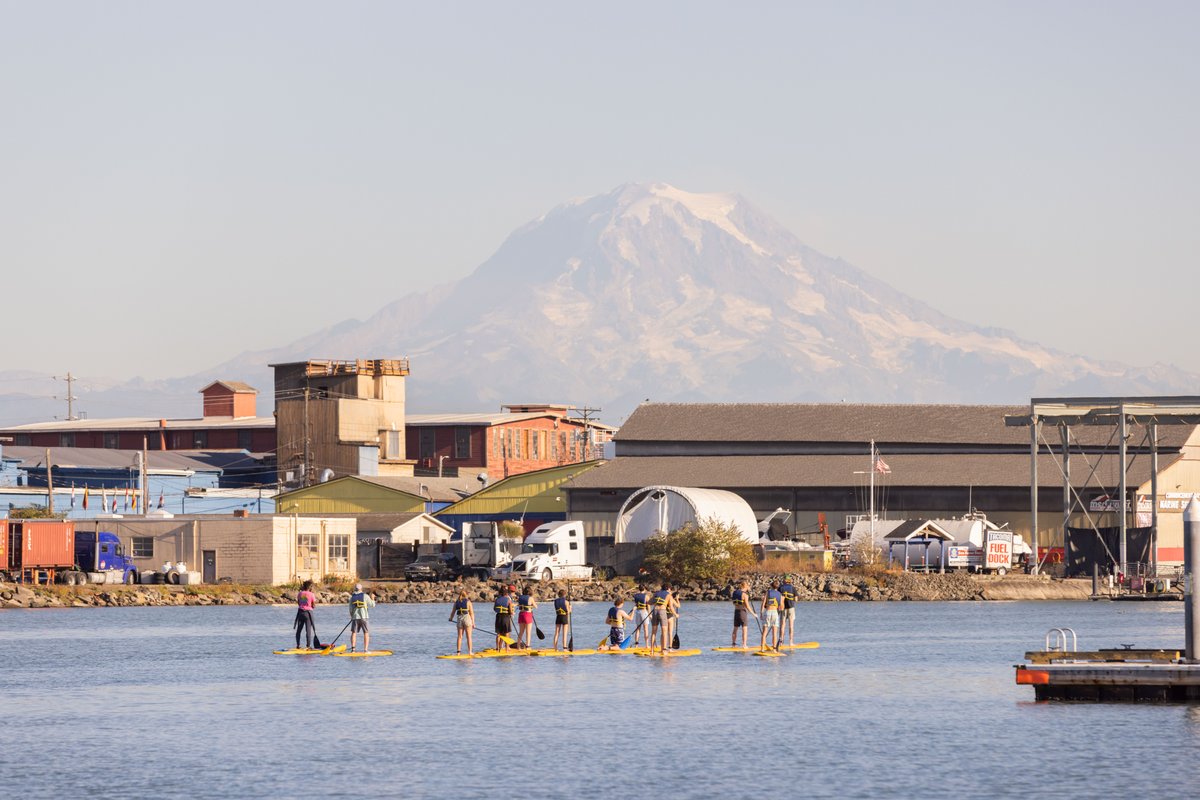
column 562, row 618
column 788, row 616
column 503, row 608
column 741, row 613
column 463, row 613
column 641, row 610
column 660, row 622
column 771, row 603
column 306, row 601
column 360, row 601
column 526, row 603
column 617, row 616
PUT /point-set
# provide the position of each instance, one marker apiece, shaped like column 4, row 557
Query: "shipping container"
column 39, row 544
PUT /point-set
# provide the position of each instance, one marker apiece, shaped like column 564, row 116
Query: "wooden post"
column 49, row 483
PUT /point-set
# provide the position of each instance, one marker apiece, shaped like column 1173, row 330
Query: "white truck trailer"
column 554, row 550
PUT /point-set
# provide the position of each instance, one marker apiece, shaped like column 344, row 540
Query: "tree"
column 708, row 549
column 33, row 512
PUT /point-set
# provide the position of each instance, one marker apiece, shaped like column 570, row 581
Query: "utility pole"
column 145, row 477
column 49, row 483
column 307, row 453
column 588, row 415
column 71, row 398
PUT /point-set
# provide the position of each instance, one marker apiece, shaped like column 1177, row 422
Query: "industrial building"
column 337, row 418
column 365, row 494
column 228, row 422
column 243, row 549
column 519, row 438
column 934, row 461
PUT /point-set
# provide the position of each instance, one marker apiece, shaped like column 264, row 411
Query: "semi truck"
column 484, row 549
column 554, row 550
column 52, row 551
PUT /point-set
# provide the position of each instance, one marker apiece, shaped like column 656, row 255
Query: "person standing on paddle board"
column 641, row 610
column 503, row 608
column 360, row 601
column 525, row 606
column 463, row 613
column 788, row 615
column 660, row 623
column 562, row 618
column 616, row 619
column 306, row 601
column 771, row 603
column 741, row 613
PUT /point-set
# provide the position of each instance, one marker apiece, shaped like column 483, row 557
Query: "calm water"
column 902, row 700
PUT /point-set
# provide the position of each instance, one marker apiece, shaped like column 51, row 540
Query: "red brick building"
column 519, row 439
column 228, row 423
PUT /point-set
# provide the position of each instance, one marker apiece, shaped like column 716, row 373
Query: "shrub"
column 705, row 550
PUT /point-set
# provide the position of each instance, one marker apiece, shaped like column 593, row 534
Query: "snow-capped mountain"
column 649, row 291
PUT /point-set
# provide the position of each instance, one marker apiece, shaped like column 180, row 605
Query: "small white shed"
column 667, row 508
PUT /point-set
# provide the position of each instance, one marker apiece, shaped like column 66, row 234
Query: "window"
column 393, row 449
column 307, row 553
column 24, row 439
column 112, row 441
column 66, row 440
column 426, row 444
column 199, row 440
column 339, row 552
column 574, row 546
column 535, row 437
column 462, row 442
column 245, row 439
column 143, row 547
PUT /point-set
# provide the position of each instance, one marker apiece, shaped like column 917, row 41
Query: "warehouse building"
column 934, row 461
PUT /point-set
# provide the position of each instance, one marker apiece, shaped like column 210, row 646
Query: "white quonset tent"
column 667, row 508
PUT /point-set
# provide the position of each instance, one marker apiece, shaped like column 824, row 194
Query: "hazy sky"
column 180, row 182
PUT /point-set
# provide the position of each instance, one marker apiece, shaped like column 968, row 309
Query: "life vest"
column 358, row 600
column 614, row 617
column 639, row 601
column 739, row 598
column 460, row 607
column 525, row 602
column 660, row 597
column 503, row 605
column 773, row 598
column 789, row 594
column 560, row 607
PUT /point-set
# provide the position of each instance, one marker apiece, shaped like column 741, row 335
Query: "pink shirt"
column 307, row 601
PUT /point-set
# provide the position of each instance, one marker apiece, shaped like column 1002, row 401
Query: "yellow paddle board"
column 457, row 656
column 670, row 653
column 800, row 646
column 733, row 649
column 365, row 654
column 504, row 653
column 565, row 652
column 309, row 651
column 769, row 653
column 632, row 651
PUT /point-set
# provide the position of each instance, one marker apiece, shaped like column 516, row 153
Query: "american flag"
column 881, row 466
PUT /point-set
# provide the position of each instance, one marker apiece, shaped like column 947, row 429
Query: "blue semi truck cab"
column 101, row 553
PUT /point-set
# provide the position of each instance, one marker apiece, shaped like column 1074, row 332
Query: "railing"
column 1059, row 643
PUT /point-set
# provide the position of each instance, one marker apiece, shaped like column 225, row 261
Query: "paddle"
column 536, row 629
column 628, row 639
column 675, row 638
column 320, row 646
column 570, row 622
column 506, row 639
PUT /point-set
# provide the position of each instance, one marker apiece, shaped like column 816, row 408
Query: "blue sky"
column 180, row 182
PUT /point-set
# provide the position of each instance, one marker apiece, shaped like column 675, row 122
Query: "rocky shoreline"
column 812, row 588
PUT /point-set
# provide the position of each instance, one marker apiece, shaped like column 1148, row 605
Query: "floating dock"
column 1063, row 672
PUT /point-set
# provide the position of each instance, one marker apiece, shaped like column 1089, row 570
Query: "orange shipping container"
column 41, row 543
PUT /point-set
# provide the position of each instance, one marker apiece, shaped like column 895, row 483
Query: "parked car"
column 433, row 567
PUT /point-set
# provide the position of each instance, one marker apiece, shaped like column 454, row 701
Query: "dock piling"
column 1191, row 562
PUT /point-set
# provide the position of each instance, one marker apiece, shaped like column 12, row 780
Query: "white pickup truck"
column 554, row 550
